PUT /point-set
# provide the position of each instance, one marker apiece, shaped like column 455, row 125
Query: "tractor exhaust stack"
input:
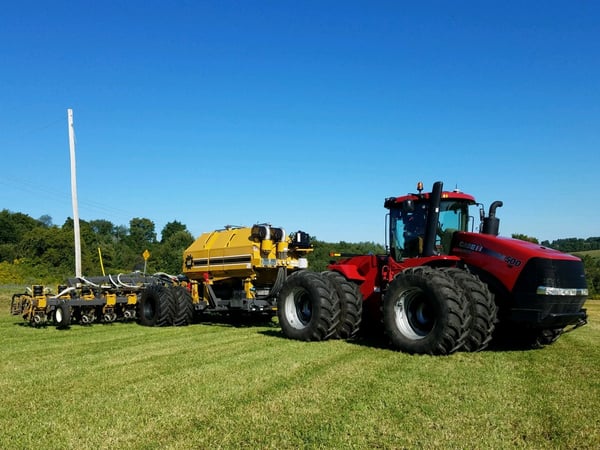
column 432, row 220
column 491, row 224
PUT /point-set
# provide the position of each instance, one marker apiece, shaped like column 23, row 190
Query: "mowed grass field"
column 593, row 253
column 221, row 386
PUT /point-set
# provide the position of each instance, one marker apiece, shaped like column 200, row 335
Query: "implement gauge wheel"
column 62, row 316
column 308, row 307
column 425, row 312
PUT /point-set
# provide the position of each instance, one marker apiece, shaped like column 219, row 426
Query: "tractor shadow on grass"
column 373, row 340
column 235, row 321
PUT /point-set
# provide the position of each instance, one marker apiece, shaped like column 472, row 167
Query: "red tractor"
column 442, row 288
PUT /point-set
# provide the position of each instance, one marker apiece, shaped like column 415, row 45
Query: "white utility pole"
column 74, row 195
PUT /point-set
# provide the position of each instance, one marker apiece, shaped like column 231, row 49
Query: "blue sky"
column 304, row 114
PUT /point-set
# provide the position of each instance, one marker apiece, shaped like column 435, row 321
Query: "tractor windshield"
column 407, row 227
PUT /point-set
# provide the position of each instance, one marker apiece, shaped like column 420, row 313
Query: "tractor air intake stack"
column 432, row 219
column 491, row 224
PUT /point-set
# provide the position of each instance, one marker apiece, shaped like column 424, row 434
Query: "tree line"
column 34, row 250
column 37, row 249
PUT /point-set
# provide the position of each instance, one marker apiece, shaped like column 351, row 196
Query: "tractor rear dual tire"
column 425, row 312
column 308, row 307
column 351, row 301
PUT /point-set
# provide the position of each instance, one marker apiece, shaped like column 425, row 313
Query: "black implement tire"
column 183, row 311
column 62, row 316
column 425, row 312
column 482, row 309
column 155, row 308
column 308, row 307
column 351, row 301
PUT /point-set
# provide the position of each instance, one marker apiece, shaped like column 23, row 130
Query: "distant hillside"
column 571, row 245
column 591, row 253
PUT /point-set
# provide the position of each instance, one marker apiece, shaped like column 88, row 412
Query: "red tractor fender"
column 349, row 271
column 372, row 266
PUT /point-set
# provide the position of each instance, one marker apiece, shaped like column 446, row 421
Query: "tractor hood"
column 503, row 257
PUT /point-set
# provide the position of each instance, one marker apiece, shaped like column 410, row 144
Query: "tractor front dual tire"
column 155, row 308
column 425, row 312
column 482, row 309
column 308, row 307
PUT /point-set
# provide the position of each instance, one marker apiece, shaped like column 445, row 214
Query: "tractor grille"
column 538, row 304
column 551, row 273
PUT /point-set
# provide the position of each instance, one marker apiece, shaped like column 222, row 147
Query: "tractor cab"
column 418, row 228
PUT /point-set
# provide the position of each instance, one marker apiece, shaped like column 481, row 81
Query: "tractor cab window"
column 408, row 225
column 454, row 216
column 407, row 228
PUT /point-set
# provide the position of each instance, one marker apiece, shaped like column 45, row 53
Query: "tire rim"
column 298, row 309
column 414, row 315
column 59, row 315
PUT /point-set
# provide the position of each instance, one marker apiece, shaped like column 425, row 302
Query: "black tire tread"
column 482, row 309
column 325, row 322
column 351, row 302
column 161, row 298
column 183, row 308
column 450, row 332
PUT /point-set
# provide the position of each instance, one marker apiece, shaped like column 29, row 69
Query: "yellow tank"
column 240, row 251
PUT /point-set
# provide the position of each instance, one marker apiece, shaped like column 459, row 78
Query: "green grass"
column 219, row 386
column 592, row 253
